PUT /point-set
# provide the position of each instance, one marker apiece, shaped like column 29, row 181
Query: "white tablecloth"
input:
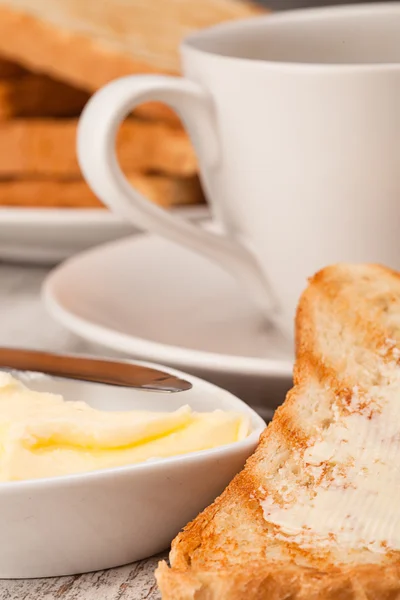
column 24, row 321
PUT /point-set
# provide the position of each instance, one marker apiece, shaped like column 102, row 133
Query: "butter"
column 354, row 469
column 42, row 435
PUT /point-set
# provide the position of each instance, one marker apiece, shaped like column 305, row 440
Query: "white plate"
column 102, row 519
column 47, row 236
column 155, row 300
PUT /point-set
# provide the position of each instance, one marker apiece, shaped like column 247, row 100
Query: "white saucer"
column 48, row 236
column 152, row 299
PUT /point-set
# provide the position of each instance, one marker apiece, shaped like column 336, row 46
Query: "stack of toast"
column 53, row 55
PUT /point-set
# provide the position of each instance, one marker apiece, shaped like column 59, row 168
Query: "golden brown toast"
column 9, row 69
column 46, row 148
column 88, row 43
column 164, row 191
column 315, row 514
column 33, row 95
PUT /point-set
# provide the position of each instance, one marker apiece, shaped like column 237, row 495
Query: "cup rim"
column 195, row 43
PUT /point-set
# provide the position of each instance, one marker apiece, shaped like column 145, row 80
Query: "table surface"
column 132, row 582
column 25, row 323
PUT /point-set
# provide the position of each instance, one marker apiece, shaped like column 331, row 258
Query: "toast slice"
column 90, row 43
column 315, row 514
column 9, row 69
column 164, row 191
column 33, row 95
column 32, row 148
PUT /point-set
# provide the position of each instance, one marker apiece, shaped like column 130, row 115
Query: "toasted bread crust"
column 278, row 581
column 10, row 69
column 46, row 148
column 230, row 551
column 51, row 193
column 32, row 95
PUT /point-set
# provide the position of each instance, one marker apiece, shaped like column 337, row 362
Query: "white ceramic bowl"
column 86, row 522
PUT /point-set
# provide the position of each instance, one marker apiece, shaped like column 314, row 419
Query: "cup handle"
column 96, row 137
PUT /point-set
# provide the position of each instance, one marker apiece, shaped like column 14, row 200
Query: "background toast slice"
column 90, row 43
column 46, row 148
column 33, row 95
column 9, row 69
column 248, row 545
column 162, row 190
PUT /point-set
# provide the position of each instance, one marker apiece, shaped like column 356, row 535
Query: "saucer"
column 152, row 299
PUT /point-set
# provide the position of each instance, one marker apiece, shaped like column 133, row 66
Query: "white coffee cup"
column 295, row 118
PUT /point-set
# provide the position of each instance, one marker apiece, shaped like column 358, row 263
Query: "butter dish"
column 101, row 519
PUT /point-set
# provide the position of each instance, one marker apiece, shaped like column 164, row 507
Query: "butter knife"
column 112, row 372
